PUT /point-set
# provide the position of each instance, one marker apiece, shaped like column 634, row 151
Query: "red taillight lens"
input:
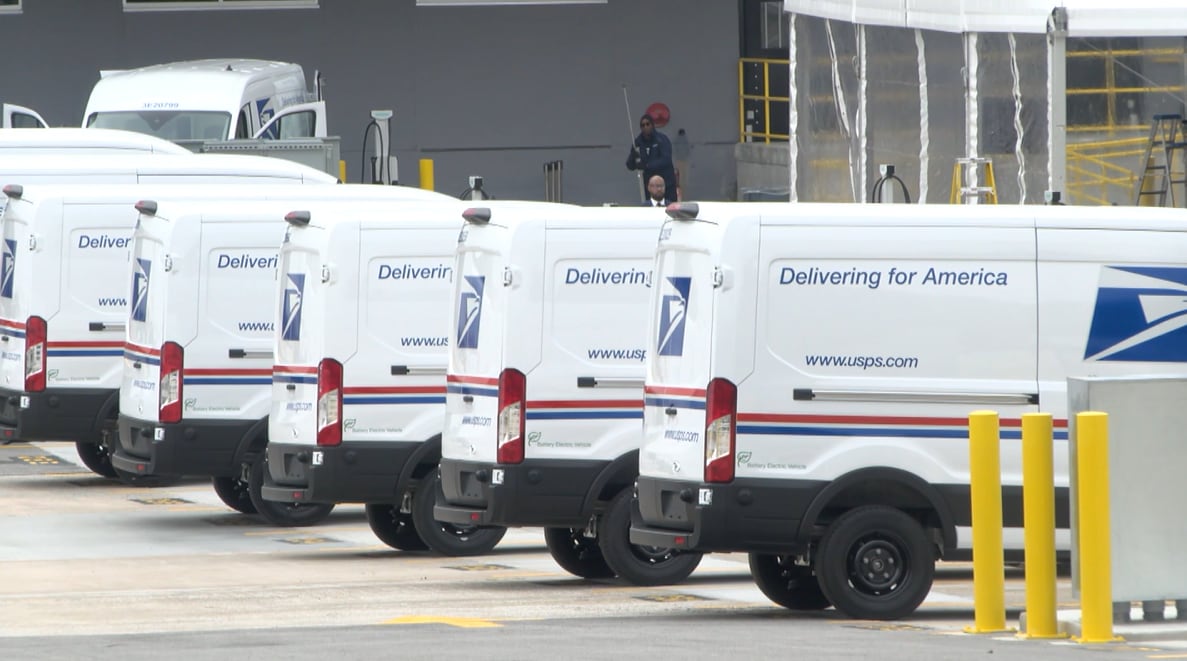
column 512, row 393
column 329, row 402
column 721, row 408
column 172, row 364
column 35, row 332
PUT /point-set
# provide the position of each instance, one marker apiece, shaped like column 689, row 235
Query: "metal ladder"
column 1157, row 181
column 961, row 193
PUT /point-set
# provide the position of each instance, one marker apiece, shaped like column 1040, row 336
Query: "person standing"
column 652, row 154
column 657, row 193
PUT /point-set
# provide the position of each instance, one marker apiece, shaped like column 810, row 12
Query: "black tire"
column 96, row 457
column 577, row 554
column 787, row 584
column 289, row 515
column 639, row 565
column 394, row 528
column 447, row 538
column 875, row 563
column 234, row 493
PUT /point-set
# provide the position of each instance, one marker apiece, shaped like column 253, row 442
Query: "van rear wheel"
column 278, row 513
column 786, row 583
column 639, row 565
column 447, row 538
column 96, row 457
column 234, row 493
column 394, row 528
column 875, row 563
column 577, row 554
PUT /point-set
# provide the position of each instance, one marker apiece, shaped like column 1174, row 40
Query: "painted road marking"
column 460, row 622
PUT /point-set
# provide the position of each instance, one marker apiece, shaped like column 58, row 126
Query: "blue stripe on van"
column 420, row 399
column 698, row 404
column 585, row 415
column 471, row 390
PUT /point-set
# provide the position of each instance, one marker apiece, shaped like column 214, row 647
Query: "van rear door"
column 15, row 292
column 139, row 396
column 476, row 350
column 678, row 369
column 299, row 346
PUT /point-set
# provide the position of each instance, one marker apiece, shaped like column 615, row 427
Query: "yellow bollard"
column 1092, row 501
column 341, row 171
column 985, row 486
column 426, row 173
column 1038, row 503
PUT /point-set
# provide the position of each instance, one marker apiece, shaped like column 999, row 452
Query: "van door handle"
column 469, row 399
column 671, row 410
column 98, row 326
column 247, row 353
column 290, row 386
column 608, row 382
column 136, row 364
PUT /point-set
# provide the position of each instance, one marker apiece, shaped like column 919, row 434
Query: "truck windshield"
column 167, row 124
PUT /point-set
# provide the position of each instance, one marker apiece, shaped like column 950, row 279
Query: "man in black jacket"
column 652, row 153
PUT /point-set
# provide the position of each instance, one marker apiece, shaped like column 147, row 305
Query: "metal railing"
column 755, row 100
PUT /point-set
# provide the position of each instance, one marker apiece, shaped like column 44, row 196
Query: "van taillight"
column 721, row 408
column 172, row 364
column 512, row 392
column 329, row 402
column 35, row 333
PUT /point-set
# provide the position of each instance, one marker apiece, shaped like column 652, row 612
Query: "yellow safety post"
column 1038, row 504
column 426, row 173
column 342, row 171
column 985, row 486
column 1092, row 501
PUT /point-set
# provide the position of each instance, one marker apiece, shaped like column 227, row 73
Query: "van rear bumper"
column 57, row 414
column 193, row 447
column 354, row 472
column 538, row 492
column 745, row 515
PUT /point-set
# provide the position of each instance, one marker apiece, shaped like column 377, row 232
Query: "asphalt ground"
column 91, row 568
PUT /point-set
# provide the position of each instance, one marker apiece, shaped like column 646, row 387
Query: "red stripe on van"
column 15, row 325
column 294, row 369
column 586, row 404
column 203, row 371
column 148, row 351
column 472, row 380
column 875, row 420
column 393, row 390
column 669, row 390
column 86, row 345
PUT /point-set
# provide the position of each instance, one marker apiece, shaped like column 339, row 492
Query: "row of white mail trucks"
column 790, row 381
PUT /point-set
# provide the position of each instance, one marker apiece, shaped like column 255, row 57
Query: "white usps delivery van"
column 214, row 99
column 196, row 387
column 65, row 264
column 59, row 140
column 811, row 369
column 544, row 390
column 19, row 117
column 358, row 388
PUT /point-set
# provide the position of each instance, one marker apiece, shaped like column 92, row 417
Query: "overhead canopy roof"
column 1086, row 18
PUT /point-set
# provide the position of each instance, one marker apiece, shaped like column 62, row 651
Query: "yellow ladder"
column 962, row 193
column 1158, row 179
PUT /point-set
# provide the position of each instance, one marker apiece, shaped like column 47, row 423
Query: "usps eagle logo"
column 1140, row 315
column 141, row 269
column 672, row 313
column 290, row 312
column 469, row 313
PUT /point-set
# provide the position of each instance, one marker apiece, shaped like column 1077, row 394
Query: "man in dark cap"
column 652, row 153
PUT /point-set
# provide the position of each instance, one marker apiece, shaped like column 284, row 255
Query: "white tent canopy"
column 991, row 86
column 1086, row 18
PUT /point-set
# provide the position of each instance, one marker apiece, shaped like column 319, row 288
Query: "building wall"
column 490, row 91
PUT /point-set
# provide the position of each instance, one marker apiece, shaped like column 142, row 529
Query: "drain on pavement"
column 37, row 460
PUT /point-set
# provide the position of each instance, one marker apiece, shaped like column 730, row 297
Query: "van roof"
column 514, row 215
column 74, row 138
column 331, row 212
column 159, row 164
column 215, row 84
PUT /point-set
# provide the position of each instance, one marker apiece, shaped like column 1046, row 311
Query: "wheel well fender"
column 252, row 442
column 882, row 486
column 109, row 409
column 424, row 459
column 619, row 475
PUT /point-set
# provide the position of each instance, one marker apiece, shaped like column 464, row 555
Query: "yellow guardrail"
column 762, row 98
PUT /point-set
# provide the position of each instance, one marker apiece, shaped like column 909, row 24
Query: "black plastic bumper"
column 354, row 472
column 744, row 515
column 197, row 447
column 540, row 492
column 57, row 414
